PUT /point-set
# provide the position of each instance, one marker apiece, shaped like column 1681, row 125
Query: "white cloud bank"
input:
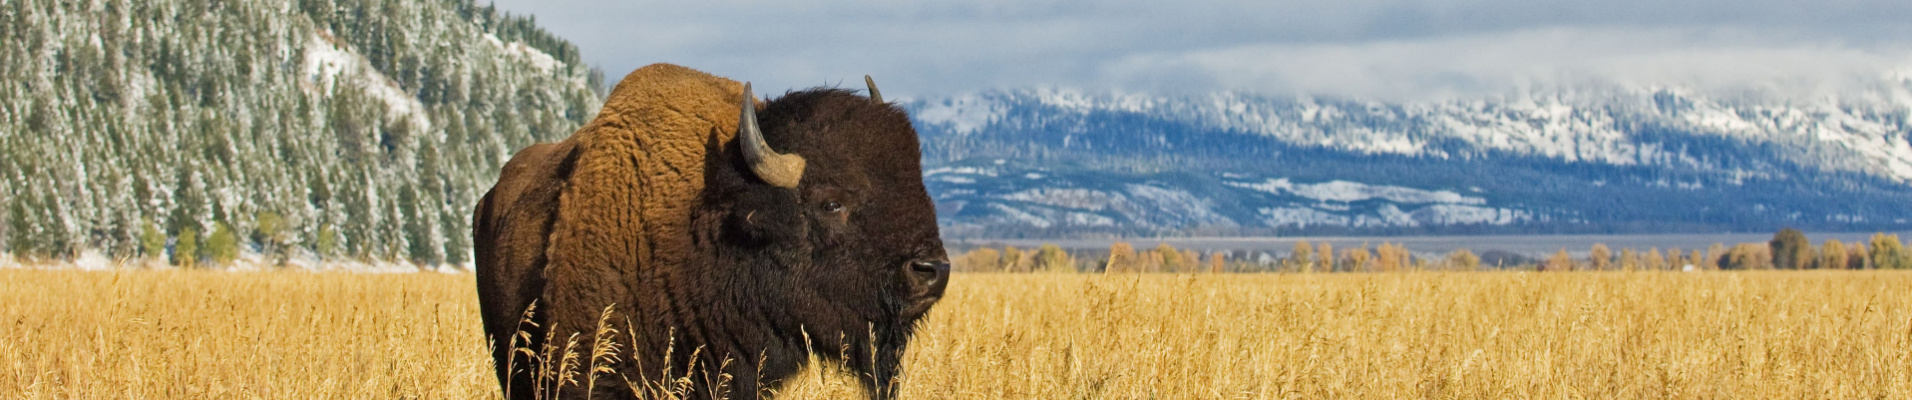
column 1500, row 62
column 1368, row 48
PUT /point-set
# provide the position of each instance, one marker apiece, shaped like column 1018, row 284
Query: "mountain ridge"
column 1772, row 160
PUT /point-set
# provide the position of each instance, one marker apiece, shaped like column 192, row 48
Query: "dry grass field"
column 1801, row 334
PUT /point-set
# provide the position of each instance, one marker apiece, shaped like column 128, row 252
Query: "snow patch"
column 1345, row 191
column 93, row 260
column 1391, row 216
column 1021, row 216
column 959, row 170
column 1087, row 219
column 1194, row 211
column 1454, row 214
column 963, row 114
column 328, row 64
column 538, row 59
column 1299, row 217
column 1081, row 199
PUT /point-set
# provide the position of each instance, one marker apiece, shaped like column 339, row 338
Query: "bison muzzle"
column 691, row 242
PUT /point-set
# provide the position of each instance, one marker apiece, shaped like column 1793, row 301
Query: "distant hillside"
column 1044, row 163
column 342, row 128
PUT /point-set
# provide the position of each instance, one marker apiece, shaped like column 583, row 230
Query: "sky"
column 1383, row 49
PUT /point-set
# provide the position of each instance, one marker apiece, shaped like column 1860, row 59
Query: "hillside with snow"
column 342, row 130
column 1595, row 159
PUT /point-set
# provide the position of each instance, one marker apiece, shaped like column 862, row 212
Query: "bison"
column 722, row 242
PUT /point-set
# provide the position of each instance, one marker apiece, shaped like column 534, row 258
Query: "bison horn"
column 875, row 96
column 781, row 170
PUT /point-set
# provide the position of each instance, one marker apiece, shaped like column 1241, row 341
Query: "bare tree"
column 1302, row 257
column 1461, row 259
column 1121, row 258
column 1600, row 258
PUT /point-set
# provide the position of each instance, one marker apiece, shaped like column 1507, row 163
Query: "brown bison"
column 728, row 241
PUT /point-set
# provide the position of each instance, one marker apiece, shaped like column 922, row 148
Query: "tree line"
column 1789, row 250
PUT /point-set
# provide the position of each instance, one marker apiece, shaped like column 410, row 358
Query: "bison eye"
column 833, row 207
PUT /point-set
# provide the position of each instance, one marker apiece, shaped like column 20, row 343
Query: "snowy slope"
column 294, row 128
column 1689, row 156
column 1864, row 132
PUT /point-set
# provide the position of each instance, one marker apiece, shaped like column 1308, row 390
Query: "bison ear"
column 876, row 96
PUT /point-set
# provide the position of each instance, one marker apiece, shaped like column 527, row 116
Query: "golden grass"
column 1805, row 334
column 218, row 335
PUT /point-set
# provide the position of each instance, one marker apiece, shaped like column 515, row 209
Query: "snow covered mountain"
column 1601, row 159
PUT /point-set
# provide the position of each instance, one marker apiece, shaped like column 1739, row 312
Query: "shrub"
column 186, row 247
column 222, row 246
column 152, row 242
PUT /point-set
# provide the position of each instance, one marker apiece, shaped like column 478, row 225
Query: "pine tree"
column 6, row 207
column 204, row 121
column 19, row 229
column 457, row 244
column 421, row 243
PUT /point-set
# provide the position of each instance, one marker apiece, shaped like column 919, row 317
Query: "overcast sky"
column 1371, row 48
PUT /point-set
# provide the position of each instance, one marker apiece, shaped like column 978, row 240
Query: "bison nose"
column 932, row 274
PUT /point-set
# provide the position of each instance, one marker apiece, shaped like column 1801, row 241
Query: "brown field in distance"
column 1768, row 334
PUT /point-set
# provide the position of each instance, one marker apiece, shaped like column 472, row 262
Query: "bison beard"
column 718, row 266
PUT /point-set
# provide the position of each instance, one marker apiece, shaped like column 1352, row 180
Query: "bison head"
column 820, row 220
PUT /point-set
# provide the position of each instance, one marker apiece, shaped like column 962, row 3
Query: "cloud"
column 1370, row 48
column 1514, row 61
